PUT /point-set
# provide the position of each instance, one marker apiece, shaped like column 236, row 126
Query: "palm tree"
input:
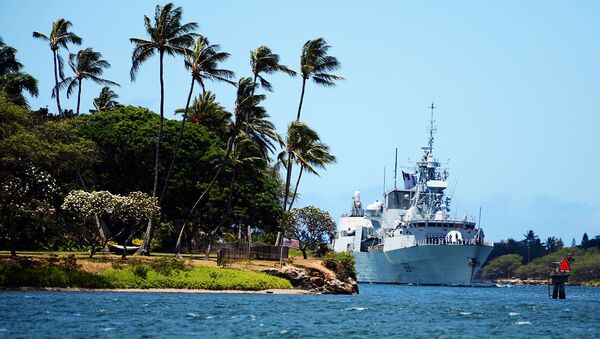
column 299, row 136
column 316, row 64
column 263, row 60
column 59, row 37
column 316, row 155
column 107, row 99
column 13, row 84
column 86, row 64
column 202, row 61
column 251, row 122
column 12, row 81
column 8, row 59
column 206, row 111
column 167, row 35
column 244, row 153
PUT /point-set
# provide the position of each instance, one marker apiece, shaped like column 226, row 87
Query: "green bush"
column 342, row 264
column 322, row 250
column 168, row 265
column 140, row 271
column 14, row 275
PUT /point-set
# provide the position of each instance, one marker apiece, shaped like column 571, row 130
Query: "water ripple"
column 423, row 311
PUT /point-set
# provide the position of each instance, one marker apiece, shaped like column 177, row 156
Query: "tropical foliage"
column 311, row 226
column 167, row 35
column 86, row 64
column 12, row 80
column 107, row 99
column 316, row 64
column 202, row 178
column 263, row 60
column 59, row 37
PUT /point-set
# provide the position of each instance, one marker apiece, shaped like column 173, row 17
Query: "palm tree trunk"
column 145, row 248
column 56, row 81
column 78, row 96
column 288, row 179
column 301, row 99
column 205, row 193
column 160, row 126
column 296, row 188
column 215, row 231
column 196, row 117
column 254, row 83
column 181, row 128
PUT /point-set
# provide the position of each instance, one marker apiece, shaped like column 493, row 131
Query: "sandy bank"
column 159, row 290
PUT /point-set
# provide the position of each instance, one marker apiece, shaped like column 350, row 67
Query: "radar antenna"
column 396, row 168
column 432, row 128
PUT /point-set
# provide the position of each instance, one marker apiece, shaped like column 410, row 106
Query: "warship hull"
column 423, row 265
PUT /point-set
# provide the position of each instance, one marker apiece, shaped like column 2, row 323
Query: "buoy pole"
column 559, row 278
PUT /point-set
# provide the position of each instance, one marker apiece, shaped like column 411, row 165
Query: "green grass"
column 139, row 275
column 292, row 252
column 209, row 278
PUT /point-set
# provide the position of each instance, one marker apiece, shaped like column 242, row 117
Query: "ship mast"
column 432, row 128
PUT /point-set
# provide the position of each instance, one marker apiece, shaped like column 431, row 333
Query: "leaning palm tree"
column 107, row 99
column 251, row 122
column 299, row 136
column 263, row 60
column 13, row 84
column 203, row 62
column 315, row 64
column 167, row 36
column 86, row 64
column 315, row 155
column 59, row 37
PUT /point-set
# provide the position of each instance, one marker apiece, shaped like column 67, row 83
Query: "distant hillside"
column 584, row 268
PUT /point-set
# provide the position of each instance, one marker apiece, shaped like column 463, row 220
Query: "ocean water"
column 379, row 311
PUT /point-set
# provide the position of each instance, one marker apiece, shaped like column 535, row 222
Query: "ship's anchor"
column 474, row 262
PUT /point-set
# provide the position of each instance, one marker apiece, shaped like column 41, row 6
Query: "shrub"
column 166, row 266
column 70, row 263
column 342, row 264
column 116, row 264
column 322, row 249
column 140, row 271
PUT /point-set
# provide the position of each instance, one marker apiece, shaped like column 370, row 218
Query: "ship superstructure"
column 409, row 237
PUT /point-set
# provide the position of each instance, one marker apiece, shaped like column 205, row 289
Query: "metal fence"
column 241, row 251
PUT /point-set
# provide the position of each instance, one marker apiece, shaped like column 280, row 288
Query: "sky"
column 515, row 84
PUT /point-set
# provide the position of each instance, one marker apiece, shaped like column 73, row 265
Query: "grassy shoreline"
column 154, row 290
column 106, row 272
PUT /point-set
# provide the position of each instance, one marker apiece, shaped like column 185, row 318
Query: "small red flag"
column 564, row 265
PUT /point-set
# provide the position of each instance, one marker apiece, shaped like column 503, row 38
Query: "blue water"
column 380, row 310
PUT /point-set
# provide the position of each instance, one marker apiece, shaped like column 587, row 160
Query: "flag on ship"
column 410, row 180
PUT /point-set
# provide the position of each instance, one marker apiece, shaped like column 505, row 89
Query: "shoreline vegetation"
column 47, row 271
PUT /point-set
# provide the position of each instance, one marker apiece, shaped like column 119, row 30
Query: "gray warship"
column 409, row 236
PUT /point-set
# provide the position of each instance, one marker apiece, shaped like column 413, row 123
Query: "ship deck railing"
column 438, row 242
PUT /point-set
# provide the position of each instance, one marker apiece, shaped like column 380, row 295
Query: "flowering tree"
column 310, row 226
column 121, row 214
column 25, row 194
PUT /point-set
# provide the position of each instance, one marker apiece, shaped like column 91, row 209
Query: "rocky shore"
column 314, row 280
